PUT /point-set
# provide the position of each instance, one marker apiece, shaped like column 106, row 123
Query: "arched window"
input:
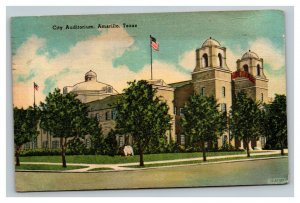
column 246, row 68
column 258, row 69
column 205, row 60
column 220, row 60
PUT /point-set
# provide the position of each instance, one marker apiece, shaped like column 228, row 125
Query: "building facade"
column 210, row 77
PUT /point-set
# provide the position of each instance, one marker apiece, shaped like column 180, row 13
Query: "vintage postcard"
column 153, row 100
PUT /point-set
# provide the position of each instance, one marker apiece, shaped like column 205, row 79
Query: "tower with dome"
column 212, row 77
column 250, row 77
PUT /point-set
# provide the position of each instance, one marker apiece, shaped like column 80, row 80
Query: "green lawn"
column 103, row 159
column 46, row 167
column 198, row 161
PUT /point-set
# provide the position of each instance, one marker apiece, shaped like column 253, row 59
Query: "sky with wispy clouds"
column 58, row 58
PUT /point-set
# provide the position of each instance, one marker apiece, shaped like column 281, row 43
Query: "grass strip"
column 200, row 161
column 46, row 167
column 103, row 159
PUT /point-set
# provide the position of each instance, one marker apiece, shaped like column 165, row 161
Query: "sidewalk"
column 122, row 167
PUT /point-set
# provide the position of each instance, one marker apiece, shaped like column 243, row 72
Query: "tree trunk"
column 247, row 147
column 63, row 158
column 141, row 155
column 203, row 151
column 141, row 159
column 281, row 148
column 17, row 159
column 17, row 155
column 63, row 154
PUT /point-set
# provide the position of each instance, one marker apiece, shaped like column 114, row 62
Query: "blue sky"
column 177, row 34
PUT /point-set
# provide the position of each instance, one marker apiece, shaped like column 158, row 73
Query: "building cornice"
column 199, row 81
column 251, row 87
column 211, row 69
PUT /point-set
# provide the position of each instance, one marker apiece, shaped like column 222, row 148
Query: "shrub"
column 110, row 144
column 40, row 152
column 76, row 146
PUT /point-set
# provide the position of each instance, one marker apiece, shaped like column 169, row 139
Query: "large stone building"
column 210, row 77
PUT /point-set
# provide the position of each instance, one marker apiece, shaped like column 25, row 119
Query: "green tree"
column 110, row 143
column 97, row 141
column 64, row 116
column 202, row 121
column 76, row 146
column 142, row 114
column 246, row 119
column 25, row 128
column 275, row 121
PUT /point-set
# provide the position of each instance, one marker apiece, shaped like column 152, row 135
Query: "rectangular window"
column 55, row 144
column 34, row 144
column 223, row 107
column 175, row 109
column 181, row 112
column 223, row 92
column 203, row 91
column 114, row 114
column 182, row 139
column 65, row 90
column 88, row 143
column 45, row 144
column 262, row 97
column 109, row 89
column 98, row 116
column 121, row 141
column 27, row 145
column 107, row 115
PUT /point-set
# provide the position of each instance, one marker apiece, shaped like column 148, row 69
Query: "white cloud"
column 188, row 60
column 231, row 58
column 275, row 58
column 266, row 50
column 162, row 70
column 277, row 85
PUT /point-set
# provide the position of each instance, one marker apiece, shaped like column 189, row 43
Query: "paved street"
column 215, row 174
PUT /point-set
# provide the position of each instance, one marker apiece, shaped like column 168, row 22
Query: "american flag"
column 35, row 86
column 154, row 44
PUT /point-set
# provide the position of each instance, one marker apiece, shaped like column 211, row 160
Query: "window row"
column 223, row 91
column 246, row 69
column 205, row 60
column 54, row 144
column 109, row 115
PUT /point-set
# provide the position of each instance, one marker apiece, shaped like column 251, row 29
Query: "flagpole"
column 34, row 111
column 33, row 95
column 151, row 56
